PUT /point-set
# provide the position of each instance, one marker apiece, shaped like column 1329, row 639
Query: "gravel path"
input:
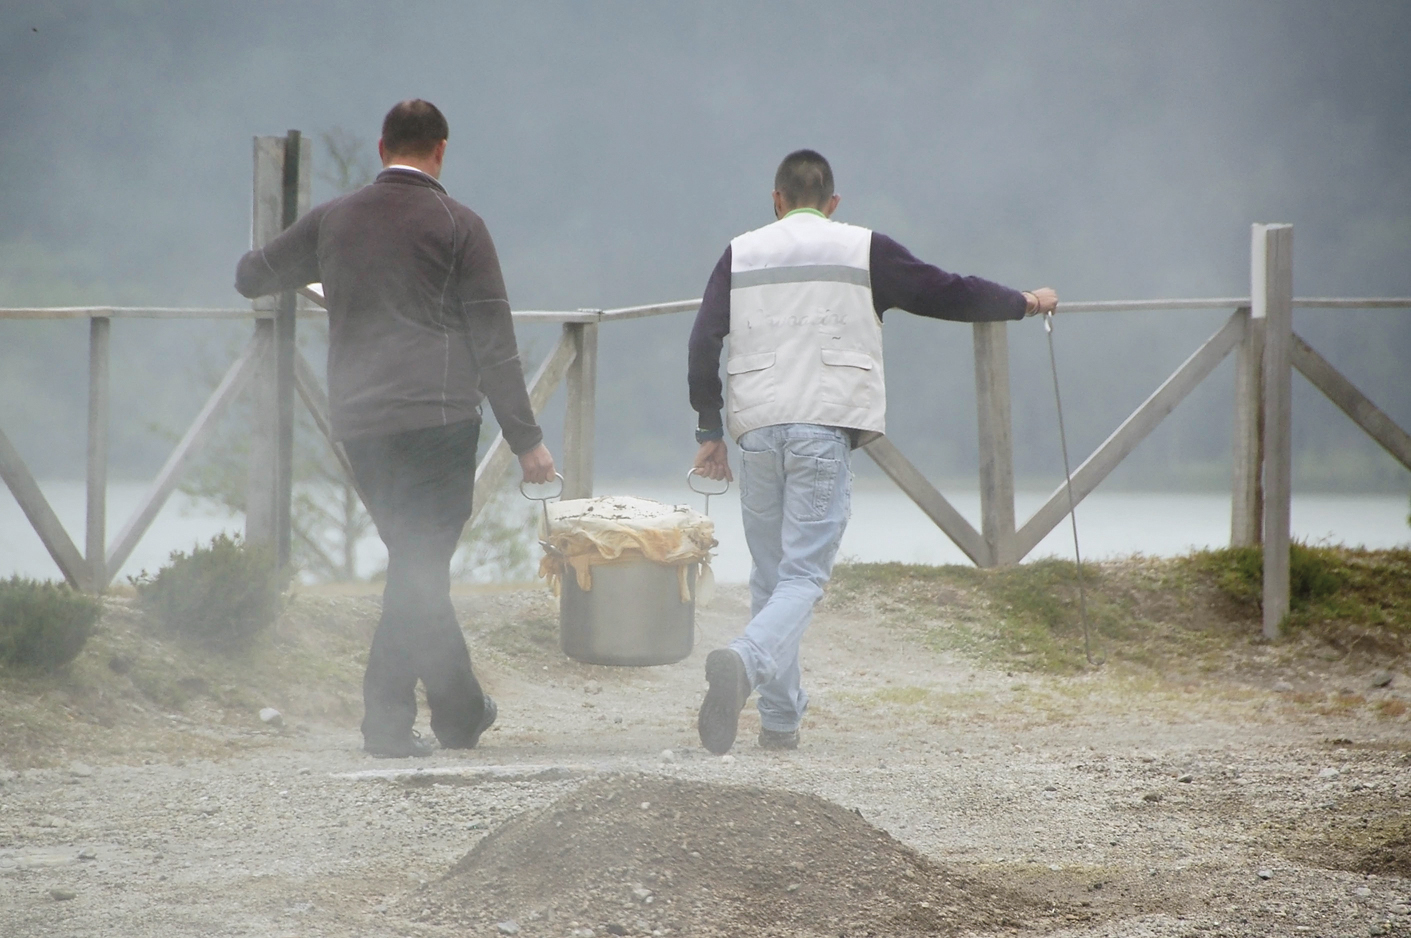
column 1121, row 809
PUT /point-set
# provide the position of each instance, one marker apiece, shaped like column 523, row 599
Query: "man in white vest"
column 801, row 301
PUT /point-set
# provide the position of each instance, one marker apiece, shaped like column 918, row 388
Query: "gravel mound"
column 1389, row 858
column 644, row 855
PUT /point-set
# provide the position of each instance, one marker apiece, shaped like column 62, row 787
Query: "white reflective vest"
column 805, row 341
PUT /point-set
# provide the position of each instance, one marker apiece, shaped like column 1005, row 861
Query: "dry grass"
column 136, row 691
column 1170, row 631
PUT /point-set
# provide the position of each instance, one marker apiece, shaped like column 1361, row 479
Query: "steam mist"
column 1111, row 150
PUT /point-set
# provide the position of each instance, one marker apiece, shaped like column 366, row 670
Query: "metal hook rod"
column 1072, row 506
column 695, row 471
column 544, row 501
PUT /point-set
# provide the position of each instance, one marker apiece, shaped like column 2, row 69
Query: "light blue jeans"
column 795, row 495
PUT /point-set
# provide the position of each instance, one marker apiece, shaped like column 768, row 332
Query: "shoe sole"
column 719, row 719
column 412, row 752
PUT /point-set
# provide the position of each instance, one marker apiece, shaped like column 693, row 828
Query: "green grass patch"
column 1025, row 616
column 1187, row 613
column 1351, row 597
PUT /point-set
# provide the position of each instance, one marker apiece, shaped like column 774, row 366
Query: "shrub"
column 43, row 625
column 1315, row 573
column 222, row 595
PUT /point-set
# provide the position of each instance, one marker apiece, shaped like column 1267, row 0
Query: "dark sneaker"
column 487, row 720
column 778, row 739
column 719, row 718
column 411, row 745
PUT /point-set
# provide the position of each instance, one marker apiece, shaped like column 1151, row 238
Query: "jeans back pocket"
column 813, row 468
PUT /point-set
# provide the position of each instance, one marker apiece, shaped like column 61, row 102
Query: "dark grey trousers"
column 418, row 486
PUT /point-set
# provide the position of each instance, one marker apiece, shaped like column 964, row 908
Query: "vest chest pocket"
column 753, row 380
column 847, row 377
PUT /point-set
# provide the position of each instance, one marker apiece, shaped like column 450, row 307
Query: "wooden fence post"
column 259, row 490
column 266, row 507
column 580, row 418
column 996, row 440
column 1271, row 295
column 96, row 541
column 284, row 352
column 265, row 220
column 1247, row 491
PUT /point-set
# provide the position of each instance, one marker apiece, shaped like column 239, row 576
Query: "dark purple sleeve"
column 490, row 331
column 287, row 262
column 707, row 338
column 901, row 281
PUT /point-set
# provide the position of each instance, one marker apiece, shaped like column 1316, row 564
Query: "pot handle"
column 690, row 484
column 543, row 500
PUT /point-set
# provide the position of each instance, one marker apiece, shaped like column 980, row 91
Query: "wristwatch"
column 705, row 436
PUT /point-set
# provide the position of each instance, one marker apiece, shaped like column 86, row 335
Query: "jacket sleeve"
column 288, row 262
column 901, row 281
column 490, row 332
column 707, row 338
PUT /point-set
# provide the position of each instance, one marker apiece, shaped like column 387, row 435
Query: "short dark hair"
column 413, row 128
column 804, row 179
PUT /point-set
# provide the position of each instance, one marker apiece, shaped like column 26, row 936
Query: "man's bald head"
column 413, row 128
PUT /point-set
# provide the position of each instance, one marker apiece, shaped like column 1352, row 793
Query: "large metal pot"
column 633, row 615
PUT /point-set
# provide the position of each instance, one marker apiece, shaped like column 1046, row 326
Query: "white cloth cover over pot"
column 585, row 532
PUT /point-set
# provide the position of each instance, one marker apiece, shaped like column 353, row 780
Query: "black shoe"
column 778, row 739
column 719, row 718
column 487, row 720
column 410, row 745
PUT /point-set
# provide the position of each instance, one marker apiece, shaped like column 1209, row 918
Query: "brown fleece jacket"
column 418, row 321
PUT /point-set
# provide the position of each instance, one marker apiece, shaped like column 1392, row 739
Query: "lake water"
column 885, row 525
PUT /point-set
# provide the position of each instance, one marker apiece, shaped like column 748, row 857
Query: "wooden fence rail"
column 1258, row 332
column 1243, row 334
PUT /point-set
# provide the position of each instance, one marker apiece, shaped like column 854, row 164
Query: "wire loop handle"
column 690, row 484
column 543, row 500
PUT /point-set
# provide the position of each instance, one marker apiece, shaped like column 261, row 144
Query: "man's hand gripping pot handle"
column 537, row 465
column 713, row 461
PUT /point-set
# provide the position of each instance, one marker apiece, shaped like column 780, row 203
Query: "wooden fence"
column 1259, row 332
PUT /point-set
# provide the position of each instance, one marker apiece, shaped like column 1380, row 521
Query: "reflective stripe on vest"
column 800, row 274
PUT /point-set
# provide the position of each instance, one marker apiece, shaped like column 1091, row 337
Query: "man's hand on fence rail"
column 1042, row 300
column 538, row 465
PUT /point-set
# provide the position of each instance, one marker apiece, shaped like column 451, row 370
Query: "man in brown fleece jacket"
column 419, row 329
